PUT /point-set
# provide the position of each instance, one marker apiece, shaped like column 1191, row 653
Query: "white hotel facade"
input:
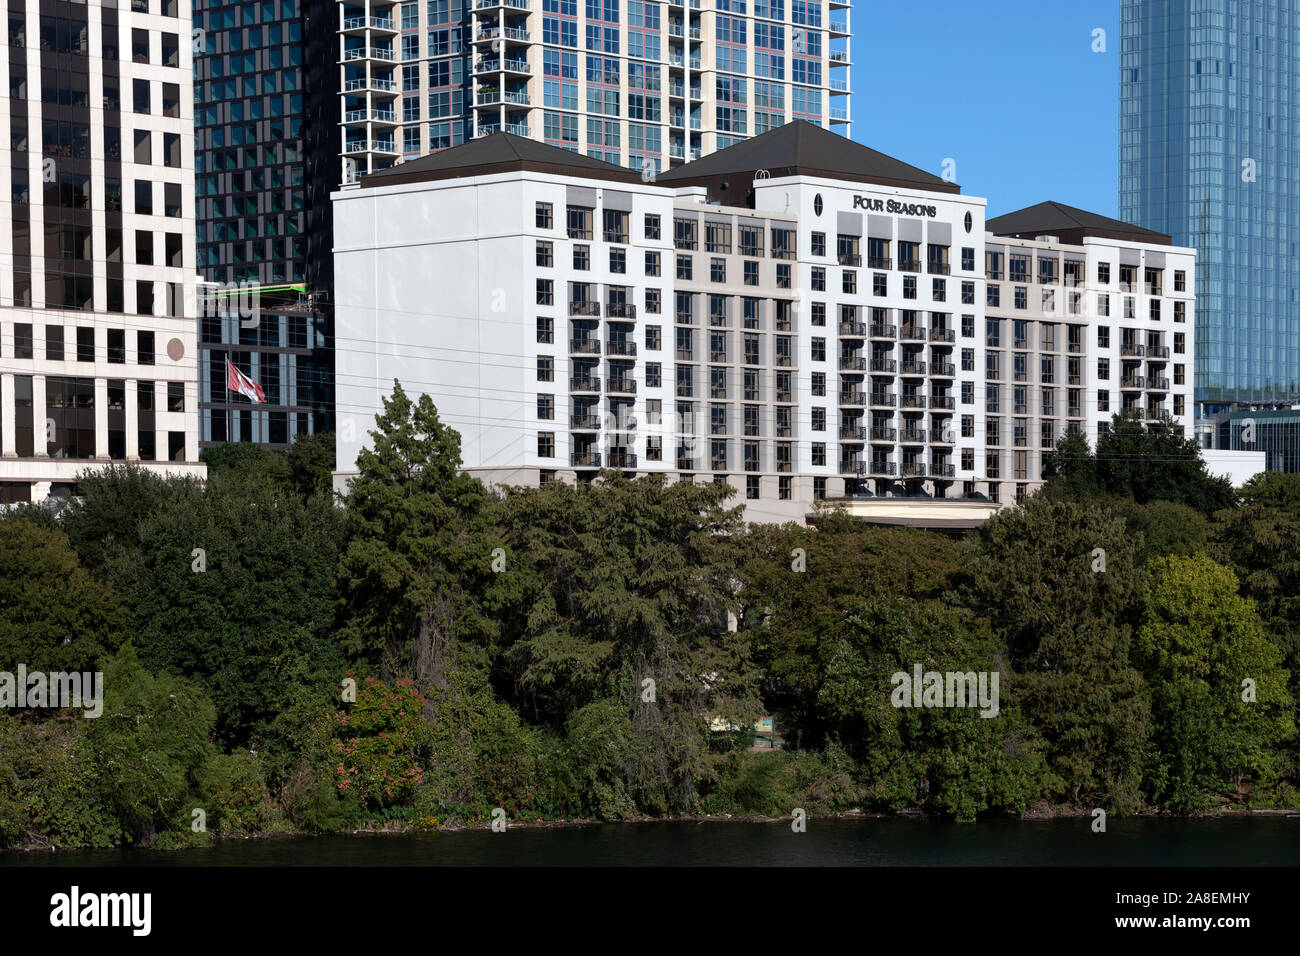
column 97, row 328
column 797, row 316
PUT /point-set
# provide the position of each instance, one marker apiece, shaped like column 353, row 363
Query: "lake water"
column 1227, row 841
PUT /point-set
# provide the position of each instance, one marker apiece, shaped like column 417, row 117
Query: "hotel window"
column 850, row 282
column 819, row 313
column 652, row 301
column 968, row 293
column 1154, row 313
column 992, row 400
column 1130, row 311
column 651, row 226
column 909, row 287
column 717, row 237
column 1022, row 297
column 653, row 338
column 546, row 407
column 751, row 481
column 1019, row 268
column 782, row 275
column 819, row 461
column 819, row 384
column 1180, row 311
column 1179, row 408
column 879, row 283
column 939, row 290
column 1103, row 273
column 1020, row 432
column 819, row 419
column 85, row 344
column 685, row 268
column 717, row 270
column 545, row 292
column 751, row 241
column 685, row 233
column 545, row 254
column 993, row 295
column 117, row 346
column 818, row 350
column 967, row 259
column 992, row 333
column 653, row 375
column 783, row 486
column 1179, row 374
column 968, row 426
column 818, row 279
column 618, row 260
column 1103, row 400
column 751, row 273
column 1103, row 305
column 819, row 243
column 1179, row 338
column 582, row 258
column 654, row 448
column 652, row 264
column 1049, row 301
column 968, row 360
column 545, row 330
column 992, row 431
column 968, row 326
column 1103, row 338
column 1048, row 373
column 579, row 222
column 546, row 444
column 968, row 459
column 545, row 368
column 545, row 216
column 144, row 348
column 968, row 393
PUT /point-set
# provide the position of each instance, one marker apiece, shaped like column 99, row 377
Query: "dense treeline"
column 572, row 651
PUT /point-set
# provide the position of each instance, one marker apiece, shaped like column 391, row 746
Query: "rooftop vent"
column 1047, row 238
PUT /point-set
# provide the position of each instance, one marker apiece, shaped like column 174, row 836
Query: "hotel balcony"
column 355, row 26
column 943, row 402
column 851, row 466
column 853, row 363
column 853, row 433
column 838, row 115
column 384, row 117
column 884, row 433
column 915, row 469
column 914, row 333
column 1133, row 350
column 913, row 436
column 589, row 383
column 621, row 385
column 853, row 397
column 620, row 348
column 913, row 367
column 943, row 335
column 1133, row 383
column 508, row 34
column 387, row 146
column 883, row 400
column 1158, row 384
column 943, row 369
column 942, row 469
column 494, row 4
column 885, row 366
column 620, row 310
column 492, row 64
column 584, row 346
column 839, row 58
column 879, row 331
column 853, row 330
column 378, row 53
column 585, row 422
column 373, row 84
column 1157, row 351
column 916, row 400
column 620, row 458
column 584, row 307
column 839, row 28
column 518, row 129
column 585, row 459
column 883, row 466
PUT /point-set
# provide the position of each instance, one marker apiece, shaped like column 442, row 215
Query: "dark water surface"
column 1230, row 841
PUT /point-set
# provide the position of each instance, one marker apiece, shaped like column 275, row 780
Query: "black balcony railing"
column 585, row 459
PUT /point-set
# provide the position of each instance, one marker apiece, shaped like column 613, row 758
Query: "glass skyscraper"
column 1210, row 154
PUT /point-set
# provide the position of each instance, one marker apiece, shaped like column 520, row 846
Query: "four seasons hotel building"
column 798, row 316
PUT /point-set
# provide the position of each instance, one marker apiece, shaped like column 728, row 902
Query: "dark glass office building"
column 1210, row 154
column 265, row 161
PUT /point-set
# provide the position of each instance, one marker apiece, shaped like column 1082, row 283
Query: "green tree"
column 1156, row 463
column 416, row 575
column 1200, row 644
column 626, row 582
column 149, row 744
column 1035, row 572
column 53, row 615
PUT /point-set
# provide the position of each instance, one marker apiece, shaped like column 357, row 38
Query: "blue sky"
column 1011, row 90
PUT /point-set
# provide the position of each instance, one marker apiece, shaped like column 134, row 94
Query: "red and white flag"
column 237, row 381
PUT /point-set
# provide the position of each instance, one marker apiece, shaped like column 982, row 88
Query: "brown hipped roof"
column 1069, row 225
column 499, row 153
column 800, row 148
